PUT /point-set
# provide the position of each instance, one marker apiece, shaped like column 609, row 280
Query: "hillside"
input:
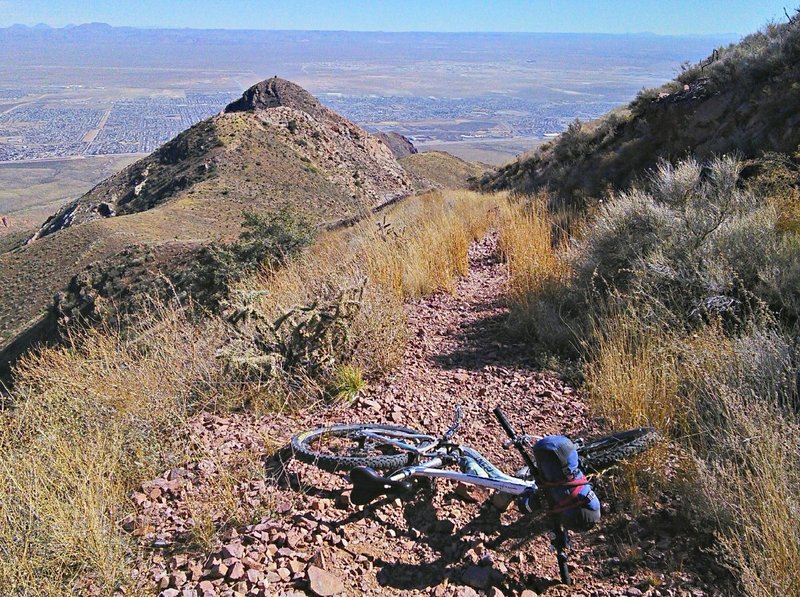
column 274, row 147
column 743, row 98
column 440, row 168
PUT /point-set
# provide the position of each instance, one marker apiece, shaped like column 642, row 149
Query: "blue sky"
column 624, row 16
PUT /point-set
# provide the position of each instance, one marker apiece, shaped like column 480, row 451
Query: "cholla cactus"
column 305, row 340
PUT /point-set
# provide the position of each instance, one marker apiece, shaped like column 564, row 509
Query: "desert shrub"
column 689, row 294
column 695, row 245
column 268, row 240
column 743, row 397
column 643, row 100
column 300, row 326
column 304, row 346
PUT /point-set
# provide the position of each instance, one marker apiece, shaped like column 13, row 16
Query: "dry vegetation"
column 743, row 98
column 87, row 423
column 681, row 297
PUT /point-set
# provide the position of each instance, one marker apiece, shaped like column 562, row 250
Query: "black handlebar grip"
column 501, row 418
column 518, row 444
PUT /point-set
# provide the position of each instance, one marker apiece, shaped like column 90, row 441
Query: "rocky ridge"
column 274, row 116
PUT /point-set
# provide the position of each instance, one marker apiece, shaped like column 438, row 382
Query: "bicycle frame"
column 494, row 479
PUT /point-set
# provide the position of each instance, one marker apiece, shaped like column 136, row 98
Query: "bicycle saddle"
column 368, row 484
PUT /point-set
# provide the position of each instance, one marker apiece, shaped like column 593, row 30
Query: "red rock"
column 236, row 571
column 324, row 583
column 252, row 563
column 233, row 550
column 472, row 493
column 177, row 579
column 254, row 576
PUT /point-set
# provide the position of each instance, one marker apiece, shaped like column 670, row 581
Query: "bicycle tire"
column 604, row 452
column 338, row 463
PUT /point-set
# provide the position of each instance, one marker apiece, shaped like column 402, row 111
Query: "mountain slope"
column 744, row 98
column 276, row 146
column 440, row 168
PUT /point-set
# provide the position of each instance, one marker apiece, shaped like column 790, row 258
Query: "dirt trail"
column 454, row 544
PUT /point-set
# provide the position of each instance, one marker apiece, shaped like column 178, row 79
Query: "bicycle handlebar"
column 501, row 418
column 515, row 439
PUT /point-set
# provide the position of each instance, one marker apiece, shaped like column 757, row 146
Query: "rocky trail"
column 308, row 539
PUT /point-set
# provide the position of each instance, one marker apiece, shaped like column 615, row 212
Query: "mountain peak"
column 273, row 93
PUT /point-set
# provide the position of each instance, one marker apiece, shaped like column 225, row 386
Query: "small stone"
column 501, row 500
column 528, row 593
column 233, row 550
column 169, row 593
column 633, row 592
column 177, row 579
column 255, row 576
column 324, row 583
column 495, row 592
column 236, row 571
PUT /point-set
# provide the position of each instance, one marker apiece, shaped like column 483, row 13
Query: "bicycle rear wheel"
column 343, row 447
column 604, row 452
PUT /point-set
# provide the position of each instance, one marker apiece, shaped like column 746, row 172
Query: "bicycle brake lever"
column 529, row 440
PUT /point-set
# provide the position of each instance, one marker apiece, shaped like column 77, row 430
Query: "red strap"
column 572, row 483
column 573, row 499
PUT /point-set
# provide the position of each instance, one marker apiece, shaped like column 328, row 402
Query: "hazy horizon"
column 46, row 26
column 677, row 18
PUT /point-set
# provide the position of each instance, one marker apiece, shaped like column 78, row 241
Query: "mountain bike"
column 414, row 459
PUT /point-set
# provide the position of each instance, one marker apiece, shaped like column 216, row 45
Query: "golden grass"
column 89, row 422
column 526, row 241
column 750, row 467
column 631, row 376
column 535, row 253
column 699, row 389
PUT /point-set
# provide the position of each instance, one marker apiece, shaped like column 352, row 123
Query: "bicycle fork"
column 559, row 536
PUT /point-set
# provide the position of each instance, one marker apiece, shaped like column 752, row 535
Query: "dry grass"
column 534, row 250
column 526, row 241
column 631, row 376
column 89, row 422
column 725, row 394
column 749, row 454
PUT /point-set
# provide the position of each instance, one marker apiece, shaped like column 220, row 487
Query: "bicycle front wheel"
column 341, row 448
column 604, row 452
